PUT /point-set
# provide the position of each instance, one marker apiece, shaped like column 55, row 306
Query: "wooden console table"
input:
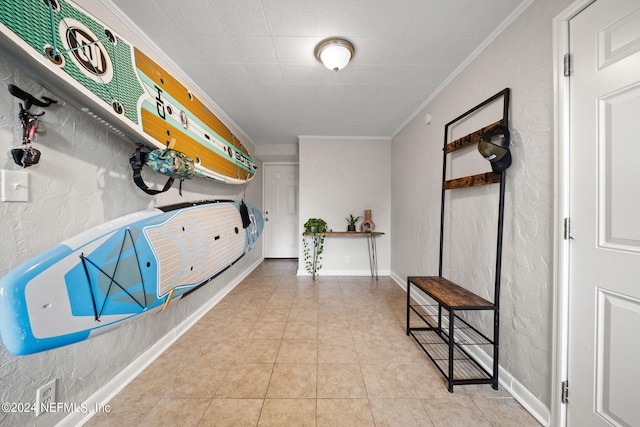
column 370, row 235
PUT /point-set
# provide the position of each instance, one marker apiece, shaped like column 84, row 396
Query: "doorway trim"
column 264, row 185
column 562, row 179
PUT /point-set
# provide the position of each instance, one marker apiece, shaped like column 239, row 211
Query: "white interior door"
column 281, row 211
column 604, row 283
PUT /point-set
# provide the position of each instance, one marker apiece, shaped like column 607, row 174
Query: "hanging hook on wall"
column 26, row 155
column 29, row 99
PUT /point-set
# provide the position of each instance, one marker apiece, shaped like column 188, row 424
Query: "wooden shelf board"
column 346, row 233
column 449, row 294
column 473, row 180
column 472, row 138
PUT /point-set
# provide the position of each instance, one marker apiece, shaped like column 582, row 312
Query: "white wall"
column 342, row 176
column 519, row 58
column 278, row 153
column 84, row 179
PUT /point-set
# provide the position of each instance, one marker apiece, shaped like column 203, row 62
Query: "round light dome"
column 334, row 53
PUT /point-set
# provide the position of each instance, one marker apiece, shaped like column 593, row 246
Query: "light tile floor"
column 283, row 350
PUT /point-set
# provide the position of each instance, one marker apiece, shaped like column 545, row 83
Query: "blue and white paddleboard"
column 126, row 267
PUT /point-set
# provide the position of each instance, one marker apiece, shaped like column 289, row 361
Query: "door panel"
column 616, row 367
column 604, row 283
column 619, row 226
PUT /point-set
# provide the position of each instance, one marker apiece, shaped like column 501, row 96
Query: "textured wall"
column 83, row 179
column 519, row 58
column 342, row 176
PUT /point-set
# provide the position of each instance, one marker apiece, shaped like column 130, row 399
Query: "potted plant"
column 352, row 221
column 315, row 225
column 312, row 228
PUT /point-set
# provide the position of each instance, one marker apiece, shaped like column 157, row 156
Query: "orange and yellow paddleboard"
column 82, row 60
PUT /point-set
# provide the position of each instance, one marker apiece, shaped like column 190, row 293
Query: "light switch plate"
column 15, row 186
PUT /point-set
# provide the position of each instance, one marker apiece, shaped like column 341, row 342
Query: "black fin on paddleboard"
column 29, row 99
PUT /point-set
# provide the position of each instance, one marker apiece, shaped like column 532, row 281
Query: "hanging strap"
column 244, row 214
column 137, row 161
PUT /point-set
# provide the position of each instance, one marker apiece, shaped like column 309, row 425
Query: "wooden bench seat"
column 448, row 294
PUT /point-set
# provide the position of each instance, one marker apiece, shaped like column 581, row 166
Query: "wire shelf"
column 464, row 334
column 465, row 369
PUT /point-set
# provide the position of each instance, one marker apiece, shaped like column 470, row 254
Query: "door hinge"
column 567, row 65
column 565, row 392
column 567, row 229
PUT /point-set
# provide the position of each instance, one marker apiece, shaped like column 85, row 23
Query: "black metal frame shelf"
column 446, row 337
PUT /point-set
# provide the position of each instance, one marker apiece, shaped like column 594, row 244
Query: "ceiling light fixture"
column 334, row 53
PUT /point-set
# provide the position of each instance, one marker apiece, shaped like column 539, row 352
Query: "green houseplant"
column 313, row 255
column 352, row 221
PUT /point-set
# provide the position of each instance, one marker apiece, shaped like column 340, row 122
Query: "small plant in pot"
column 352, row 221
column 313, row 261
column 315, row 225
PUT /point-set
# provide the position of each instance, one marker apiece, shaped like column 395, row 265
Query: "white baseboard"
column 343, row 273
column 519, row 392
column 102, row 397
column 399, row 280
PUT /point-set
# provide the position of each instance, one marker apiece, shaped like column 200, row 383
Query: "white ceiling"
column 255, row 60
